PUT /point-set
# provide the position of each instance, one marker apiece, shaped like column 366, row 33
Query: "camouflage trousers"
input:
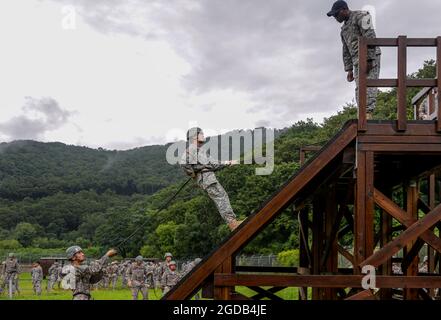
column 37, row 287
column 144, row 291
column 114, row 280
column 10, row 278
column 51, row 282
column 372, row 93
column 220, row 197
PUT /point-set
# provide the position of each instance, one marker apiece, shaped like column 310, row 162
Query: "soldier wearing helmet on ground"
column 137, row 275
column 163, row 266
column 170, row 278
column 86, row 275
column 10, row 271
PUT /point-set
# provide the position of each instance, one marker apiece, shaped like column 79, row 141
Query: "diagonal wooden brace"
column 416, row 228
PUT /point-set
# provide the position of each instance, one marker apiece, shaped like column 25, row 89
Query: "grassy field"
column 27, row 293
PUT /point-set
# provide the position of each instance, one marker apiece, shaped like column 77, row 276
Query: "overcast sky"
column 120, row 74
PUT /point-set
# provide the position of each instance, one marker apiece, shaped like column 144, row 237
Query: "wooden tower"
column 337, row 194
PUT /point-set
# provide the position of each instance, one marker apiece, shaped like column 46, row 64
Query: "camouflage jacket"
column 169, row 278
column 37, row 274
column 86, row 275
column 138, row 274
column 11, row 266
column 358, row 24
column 199, row 166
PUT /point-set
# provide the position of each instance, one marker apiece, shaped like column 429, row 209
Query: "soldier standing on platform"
column 357, row 24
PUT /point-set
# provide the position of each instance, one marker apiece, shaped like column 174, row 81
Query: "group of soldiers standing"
column 138, row 275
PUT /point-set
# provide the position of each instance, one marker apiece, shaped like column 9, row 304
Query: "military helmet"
column 168, row 254
column 71, row 251
column 138, row 258
column 172, row 263
column 11, row 255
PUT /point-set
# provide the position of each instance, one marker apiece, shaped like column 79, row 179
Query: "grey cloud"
column 286, row 55
column 39, row 116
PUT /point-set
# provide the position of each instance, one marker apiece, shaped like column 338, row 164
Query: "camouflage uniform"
column 187, row 268
column 138, row 275
column 113, row 274
column 360, row 24
column 11, row 270
column 53, row 276
column 169, row 280
column 37, row 277
column 197, row 165
column 85, row 276
column 122, row 271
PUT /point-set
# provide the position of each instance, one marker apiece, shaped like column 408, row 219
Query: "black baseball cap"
column 336, row 7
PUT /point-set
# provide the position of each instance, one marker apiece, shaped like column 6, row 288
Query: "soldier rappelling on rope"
column 201, row 168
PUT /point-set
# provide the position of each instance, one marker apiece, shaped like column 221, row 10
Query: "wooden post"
column 224, row 293
column 386, row 236
column 304, row 259
column 438, row 76
column 331, row 262
column 362, row 83
column 370, row 205
column 430, row 252
column 317, row 241
column 402, row 83
column 360, row 212
column 412, row 211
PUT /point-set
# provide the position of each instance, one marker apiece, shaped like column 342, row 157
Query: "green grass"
column 27, row 293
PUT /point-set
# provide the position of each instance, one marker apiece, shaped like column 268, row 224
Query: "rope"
column 118, row 246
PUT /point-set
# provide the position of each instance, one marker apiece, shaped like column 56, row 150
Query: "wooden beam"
column 370, row 205
column 393, row 42
column 317, row 241
column 414, row 128
column 360, row 211
column 386, row 236
column 400, row 148
column 399, row 139
column 363, row 295
column 414, row 231
column 220, row 292
column 328, row 281
column 262, row 293
column 438, row 84
column 402, row 84
column 393, row 83
column 395, row 211
column 414, row 246
column 412, row 254
column 346, row 254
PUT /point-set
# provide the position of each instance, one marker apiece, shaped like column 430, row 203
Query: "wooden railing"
column 402, row 83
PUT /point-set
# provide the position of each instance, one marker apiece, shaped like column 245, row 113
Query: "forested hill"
column 35, row 169
column 53, row 195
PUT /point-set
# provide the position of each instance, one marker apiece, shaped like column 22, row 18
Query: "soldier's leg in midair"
column 220, row 197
